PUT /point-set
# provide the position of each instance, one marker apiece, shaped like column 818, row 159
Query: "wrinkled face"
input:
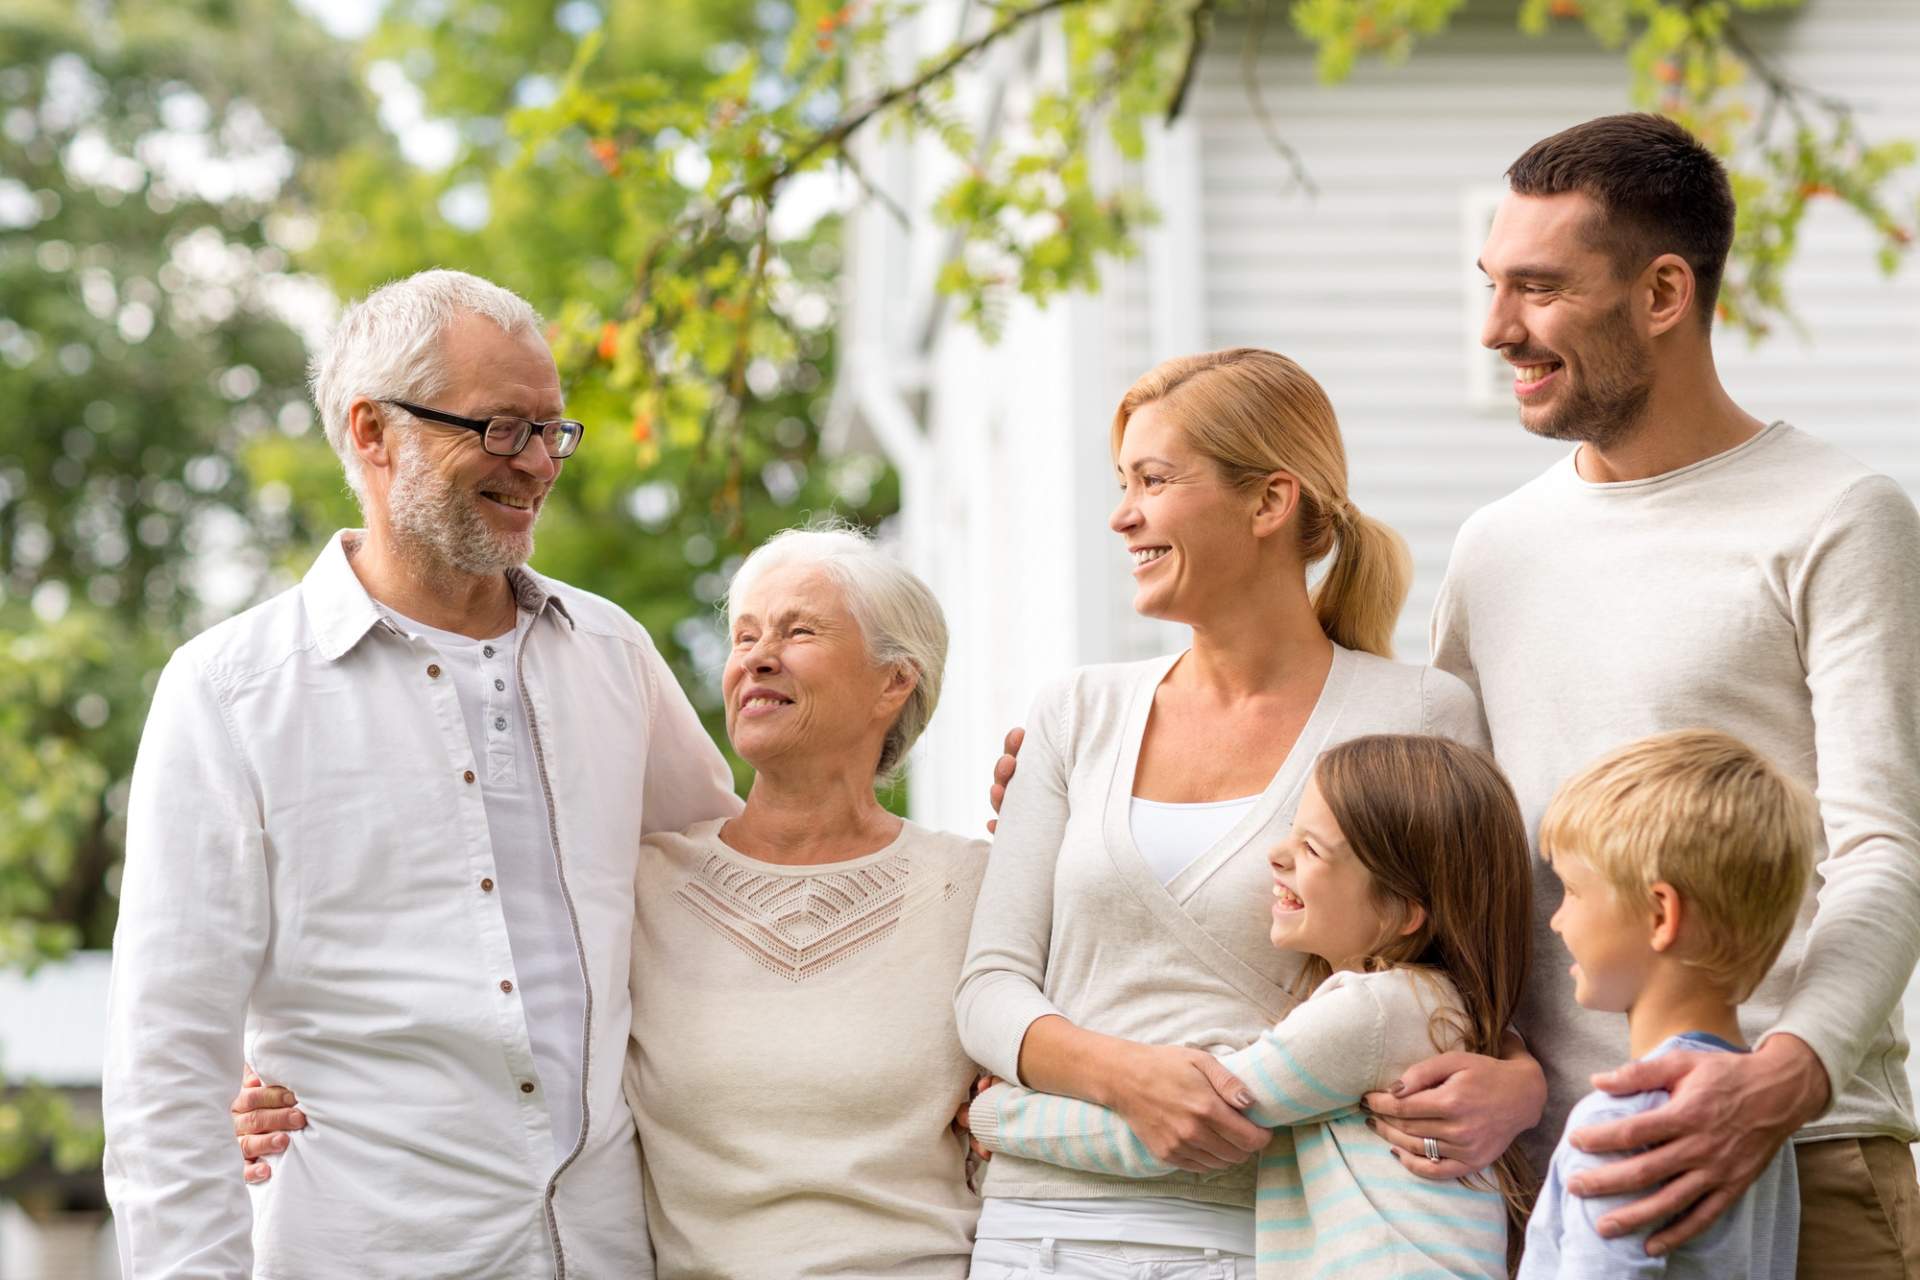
column 1560, row 316
column 466, row 508
column 1188, row 532
column 1608, row 940
column 798, row 680
column 1323, row 900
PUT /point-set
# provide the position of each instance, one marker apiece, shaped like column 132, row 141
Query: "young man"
column 381, row 844
column 1691, row 565
column 1683, row 859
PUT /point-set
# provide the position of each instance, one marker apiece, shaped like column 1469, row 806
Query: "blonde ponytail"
column 1358, row 601
column 1254, row 412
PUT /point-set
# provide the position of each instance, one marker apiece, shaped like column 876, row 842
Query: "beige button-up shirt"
column 308, row 887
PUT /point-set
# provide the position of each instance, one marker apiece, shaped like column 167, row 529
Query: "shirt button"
column 486, row 651
column 526, row 1086
column 486, row 884
column 500, row 684
column 433, row 671
column 506, row 986
column 499, row 722
column 467, row 776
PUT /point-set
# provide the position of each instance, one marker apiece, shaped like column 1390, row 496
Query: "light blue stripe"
column 1311, row 1080
column 1401, row 1217
column 1282, row 1224
column 1273, row 1086
column 1143, row 1157
column 1335, row 1265
column 1283, row 1255
column 1094, row 1136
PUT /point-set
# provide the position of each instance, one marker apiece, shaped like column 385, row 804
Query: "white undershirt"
column 1171, row 836
column 546, row 958
column 1162, row 1220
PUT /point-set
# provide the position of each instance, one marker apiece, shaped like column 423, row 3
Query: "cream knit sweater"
column 1072, row 921
column 794, row 1067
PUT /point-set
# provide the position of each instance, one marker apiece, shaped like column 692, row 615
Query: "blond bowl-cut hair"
column 1251, row 413
column 1707, row 814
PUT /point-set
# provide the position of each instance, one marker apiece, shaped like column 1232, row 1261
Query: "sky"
column 349, row 19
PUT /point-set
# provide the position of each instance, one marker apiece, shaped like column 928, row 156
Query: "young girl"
column 1406, row 886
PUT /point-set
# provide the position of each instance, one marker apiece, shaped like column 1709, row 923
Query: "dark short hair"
column 1658, row 189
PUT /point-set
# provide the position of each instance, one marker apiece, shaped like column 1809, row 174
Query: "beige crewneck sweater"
column 1773, row 592
column 1072, row 921
column 794, row 1067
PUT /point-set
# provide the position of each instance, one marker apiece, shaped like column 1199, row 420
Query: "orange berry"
column 642, row 427
column 609, row 340
column 607, row 152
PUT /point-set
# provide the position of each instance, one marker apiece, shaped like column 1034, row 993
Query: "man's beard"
column 1615, row 386
column 441, row 527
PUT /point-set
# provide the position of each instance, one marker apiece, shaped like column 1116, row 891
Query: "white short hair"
column 899, row 618
column 387, row 346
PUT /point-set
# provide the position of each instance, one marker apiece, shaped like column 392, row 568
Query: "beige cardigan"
column 1071, row 920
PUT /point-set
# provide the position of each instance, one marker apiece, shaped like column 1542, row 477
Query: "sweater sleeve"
column 687, row 779
column 1447, row 634
column 1316, row 1064
column 1010, row 1120
column 1450, row 709
column 1001, row 991
column 1857, row 608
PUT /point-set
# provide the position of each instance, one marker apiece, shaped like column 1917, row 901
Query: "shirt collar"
column 342, row 612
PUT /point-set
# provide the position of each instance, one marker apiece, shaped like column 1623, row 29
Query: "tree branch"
column 1250, row 73
column 1201, row 22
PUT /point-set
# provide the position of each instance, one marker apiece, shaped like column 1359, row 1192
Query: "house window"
column 1489, row 378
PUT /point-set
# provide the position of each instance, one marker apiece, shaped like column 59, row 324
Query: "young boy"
column 1684, row 858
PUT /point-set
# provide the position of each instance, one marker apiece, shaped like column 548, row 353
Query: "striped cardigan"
column 1332, row 1201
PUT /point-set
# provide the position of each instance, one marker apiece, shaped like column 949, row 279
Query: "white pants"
column 1101, row 1260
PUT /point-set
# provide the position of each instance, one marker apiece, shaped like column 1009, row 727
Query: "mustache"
column 505, row 491
column 1530, row 357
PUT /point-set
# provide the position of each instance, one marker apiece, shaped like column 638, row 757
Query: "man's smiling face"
column 475, row 511
column 1559, row 312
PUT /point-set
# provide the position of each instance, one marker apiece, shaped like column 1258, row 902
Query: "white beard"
column 442, row 526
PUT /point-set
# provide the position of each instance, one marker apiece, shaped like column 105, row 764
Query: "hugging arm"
column 1176, row 1098
column 1315, row 1065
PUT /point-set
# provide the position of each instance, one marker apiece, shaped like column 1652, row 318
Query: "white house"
column 1370, row 285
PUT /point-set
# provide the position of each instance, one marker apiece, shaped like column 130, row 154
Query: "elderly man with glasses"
column 381, row 843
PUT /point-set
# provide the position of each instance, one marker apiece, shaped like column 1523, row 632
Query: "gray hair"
column 387, row 346
column 898, row 616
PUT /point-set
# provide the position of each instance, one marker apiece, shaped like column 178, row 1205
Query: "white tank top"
column 1171, row 836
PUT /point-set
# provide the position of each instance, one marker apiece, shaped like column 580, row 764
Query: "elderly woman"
column 795, row 1071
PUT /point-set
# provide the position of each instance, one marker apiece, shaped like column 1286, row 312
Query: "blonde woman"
column 1121, row 936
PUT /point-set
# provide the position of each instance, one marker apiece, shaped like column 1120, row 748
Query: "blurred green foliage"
column 149, row 161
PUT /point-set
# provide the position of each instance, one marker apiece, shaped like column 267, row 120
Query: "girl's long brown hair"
column 1436, row 825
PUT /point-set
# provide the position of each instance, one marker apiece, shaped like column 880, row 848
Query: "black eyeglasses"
column 505, row 436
